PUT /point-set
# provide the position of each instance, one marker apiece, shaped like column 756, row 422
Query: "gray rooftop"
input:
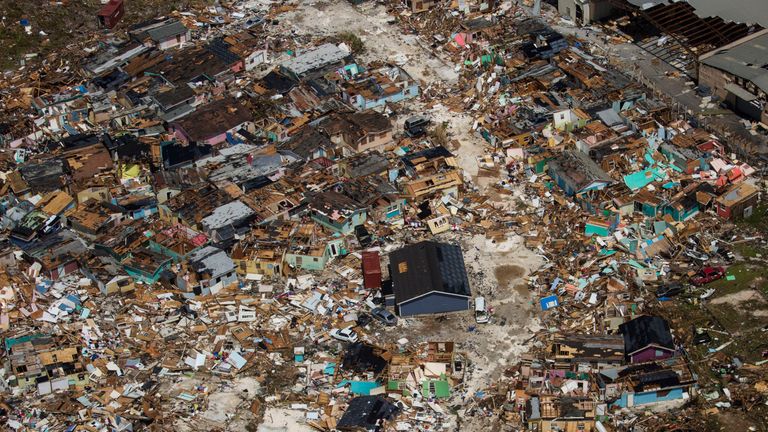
column 741, row 11
column 229, row 213
column 211, row 260
column 166, row 31
column 315, row 58
column 746, row 60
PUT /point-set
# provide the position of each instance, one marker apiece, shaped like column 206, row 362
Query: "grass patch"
column 757, row 220
column 747, row 276
column 748, row 250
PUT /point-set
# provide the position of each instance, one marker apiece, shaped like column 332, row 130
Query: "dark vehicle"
column 726, row 254
column 363, row 319
column 416, row 126
column 669, row 290
column 701, row 337
column 363, row 236
column 707, row 275
column 385, row 316
column 252, row 22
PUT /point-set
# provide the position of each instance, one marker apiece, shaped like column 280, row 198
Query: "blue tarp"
column 549, row 302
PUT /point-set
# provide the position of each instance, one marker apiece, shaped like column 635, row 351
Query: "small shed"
column 111, row 13
column 371, row 270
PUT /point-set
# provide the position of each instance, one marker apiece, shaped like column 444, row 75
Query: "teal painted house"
column 337, row 212
column 577, row 174
column 146, row 265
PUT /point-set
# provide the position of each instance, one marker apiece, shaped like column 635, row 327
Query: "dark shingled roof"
column 365, row 412
column 425, row 267
column 646, row 330
column 214, row 119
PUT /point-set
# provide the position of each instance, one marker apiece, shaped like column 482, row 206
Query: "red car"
column 707, row 275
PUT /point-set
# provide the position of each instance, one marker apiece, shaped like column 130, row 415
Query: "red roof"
column 371, row 262
column 110, row 7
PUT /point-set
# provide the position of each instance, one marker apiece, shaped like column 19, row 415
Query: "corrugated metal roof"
column 746, row 60
column 169, row 30
column 740, row 11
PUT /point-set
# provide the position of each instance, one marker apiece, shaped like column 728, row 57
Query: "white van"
column 481, row 311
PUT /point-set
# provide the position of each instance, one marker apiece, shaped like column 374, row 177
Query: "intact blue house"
column 429, row 278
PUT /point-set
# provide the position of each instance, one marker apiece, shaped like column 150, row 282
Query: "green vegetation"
column 353, row 42
column 749, row 250
column 758, row 219
column 747, row 276
column 439, row 134
column 67, row 24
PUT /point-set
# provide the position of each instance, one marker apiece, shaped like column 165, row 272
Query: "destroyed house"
column 39, row 360
column 308, row 248
column 177, row 242
column 226, row 219
column 476, row 30
column 194, row 65
column 560, row 413
column 359, row 131
column 263, row 250
column 378, row 87
column 192, row 205
column 91, row 218
column 139, row 205
column 428, row 278
column 577, row 174
column 431, row 170
column 120, row 243
column 165, row 35
column 56, row 254
column 276, row 202
column 367, row 413
column 583, row 353
column 738, row 202
column 336, row 211
column 649, row 383
column 647, row 338
column 418, row 6
column 42, row 176
column 88, row 161
column 363, row 165
column 175, row 155
column 107, row 275
column 33, row 224
column 248, row 46
column 309, row 144
column 687, row 160
column 544, row 44
column 206, row 271
column 175, row 103
column 738, row 74
column 146, row 265
column 316, row 62
column 212, row 123
column 687, row 203
column 262, row 259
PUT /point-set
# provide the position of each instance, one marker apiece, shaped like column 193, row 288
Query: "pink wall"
column 649, row 354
